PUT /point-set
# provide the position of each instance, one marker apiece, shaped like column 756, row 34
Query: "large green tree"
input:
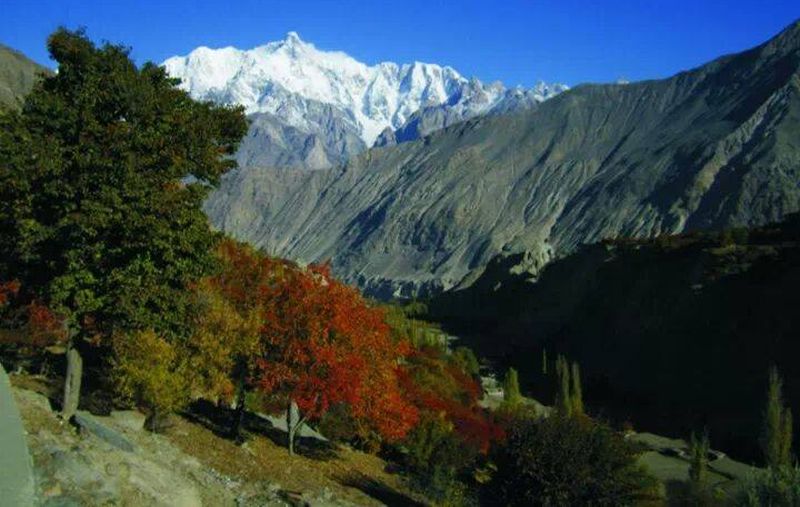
column 102, row 177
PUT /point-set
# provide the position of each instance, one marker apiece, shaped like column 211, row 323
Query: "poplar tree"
column 776, row 437
column 563, row 393
column 576, row 391
column 511, row 392
column 698, row 466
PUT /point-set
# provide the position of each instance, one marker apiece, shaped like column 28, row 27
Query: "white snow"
column 374, row 97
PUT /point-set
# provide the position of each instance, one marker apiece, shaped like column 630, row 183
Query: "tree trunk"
column 293, row 424
column 72, row 381
column 154, row 420
column 291, row 441
column 238, row 407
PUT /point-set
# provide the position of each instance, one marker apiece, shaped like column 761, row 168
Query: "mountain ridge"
column 290, row 78
column 707, row 148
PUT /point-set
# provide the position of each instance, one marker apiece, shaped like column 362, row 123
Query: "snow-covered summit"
column 271, row 78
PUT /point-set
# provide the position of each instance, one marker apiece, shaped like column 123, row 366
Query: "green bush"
column 778, row 486
column 568, row 461
column 466, row 360
column 438, row 460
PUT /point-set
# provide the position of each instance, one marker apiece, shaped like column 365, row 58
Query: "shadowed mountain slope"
column 673, row 334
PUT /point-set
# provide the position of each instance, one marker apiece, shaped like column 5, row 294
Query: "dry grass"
column 345, row 473
column 36, row 416
column 349, row 474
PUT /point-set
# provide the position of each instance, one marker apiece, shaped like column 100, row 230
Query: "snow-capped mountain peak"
column 280, row 77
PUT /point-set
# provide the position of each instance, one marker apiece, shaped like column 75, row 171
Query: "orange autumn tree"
column 323, row 345
column 436, row 384
column 300, row 337
column 226, row 336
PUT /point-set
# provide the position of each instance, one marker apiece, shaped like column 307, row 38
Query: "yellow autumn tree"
column 149, row 371
column 224, row 340
column 227, row 326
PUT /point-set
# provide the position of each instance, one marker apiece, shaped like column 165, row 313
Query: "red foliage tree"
column 304, row 339
column 434, row 384
column 324, row 345
column 44, row 327
column 31, row 325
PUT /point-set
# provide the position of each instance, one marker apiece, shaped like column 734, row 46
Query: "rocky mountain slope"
column 335, row 105
column 712, row 147
column 429, row 119
column 17, row 75
column 272, row 143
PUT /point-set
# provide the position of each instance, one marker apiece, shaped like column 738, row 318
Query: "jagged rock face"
column 472, row 101
column 17, row 76
column 271, row 143
column 334, row 103
column 716, row 146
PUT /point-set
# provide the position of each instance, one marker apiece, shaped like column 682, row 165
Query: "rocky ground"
column 114, row 461
column 119, row 463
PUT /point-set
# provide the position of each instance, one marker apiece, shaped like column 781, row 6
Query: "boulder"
column 88, row 423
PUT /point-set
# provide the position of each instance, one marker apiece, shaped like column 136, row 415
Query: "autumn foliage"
column 150, row 371
column 305, row 337
column 39, row 325
column 227, row 325
column 44, row 326
column 324, row 345
column 435, row 384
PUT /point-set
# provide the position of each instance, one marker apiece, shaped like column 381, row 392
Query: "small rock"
column 129, row 419
column 160, row 423
column 33, row 398
column 118, row 470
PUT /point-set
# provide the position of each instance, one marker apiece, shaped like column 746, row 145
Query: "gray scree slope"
column 713, row 147
column 17, row 76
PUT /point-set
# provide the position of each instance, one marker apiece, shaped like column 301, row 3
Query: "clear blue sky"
column 515, row 41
